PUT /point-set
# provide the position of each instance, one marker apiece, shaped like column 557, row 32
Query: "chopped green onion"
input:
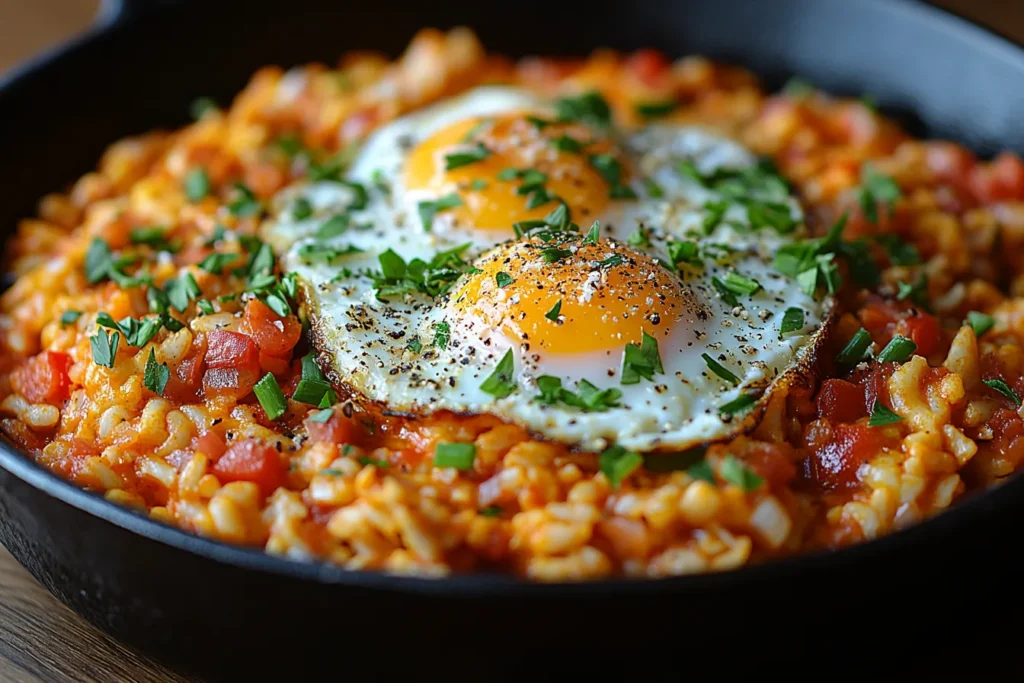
column 740, row 404
column 720, row 370
column 457, row 455
column 270, row 396
column 857, row 349
column 734, row 471
column 980, row 322
column 740, row 284
column 897, row 350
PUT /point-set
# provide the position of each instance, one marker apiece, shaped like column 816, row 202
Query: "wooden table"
column 40, row 639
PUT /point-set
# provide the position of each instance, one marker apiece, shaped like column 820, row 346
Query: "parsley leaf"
column 501, row 382
column 197, row 185
column 880, row 415
column 460, row 159
column 876, row 188
column 587, row 398
column 980, row 322
column 1003, row 388
column 617, row 464
column 429, row 209
column 156, row 375
column 552, row 315
column 589, row 107
column 792, row 321
column 104, row 347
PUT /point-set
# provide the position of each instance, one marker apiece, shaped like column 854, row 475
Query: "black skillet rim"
column 954, row 520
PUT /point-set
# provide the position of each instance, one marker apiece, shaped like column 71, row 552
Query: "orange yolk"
column 603, row 306
column 513, row 142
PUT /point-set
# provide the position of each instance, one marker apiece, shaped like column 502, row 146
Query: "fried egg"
column 493, row 255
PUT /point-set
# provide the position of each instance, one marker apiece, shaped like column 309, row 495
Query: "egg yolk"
column 476, row 157
column 572, row 297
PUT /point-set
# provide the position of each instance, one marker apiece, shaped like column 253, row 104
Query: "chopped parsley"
column 216, row 262
column 460, row 159
column 684, row 252
column 270, row 396
column 490, row 511
column 197, row 185
column 979, row 322
column 154, row 236
column 613, row 260
column 1003, row 388
column 503, row 279
column 478, row 184
column 589, row 107
column 553, row 314
column 897, row 350
column 916, row 291
column 500, row 383
column 880, row 416
column 457, row 455
column 181, row 290
column 720, row 370
column 617, row 464
column 654, row 190
column 442, row 335
column 643, row 361
column 734, row 471
column 429, row 209
column 857, row 349
column 321, row 253
column 333, row 226
column 415, row 345
column 302, row 209
column 702, row 471
column 245, row 202
column 715, row 214
column 655, row 110
column 900, row 253
column 876, row 188
column 640, row 238
column 104, row 347
column 433, row 278
column 201, row 106
column 587, row 397
column 792, row 321
column 611, row 170
column 156, row 375
column 567, row 143
column 71, row 317
column 205, row 306
column 137, row 332
column 554, row 254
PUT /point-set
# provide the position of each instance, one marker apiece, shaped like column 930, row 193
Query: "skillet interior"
column 142, row 72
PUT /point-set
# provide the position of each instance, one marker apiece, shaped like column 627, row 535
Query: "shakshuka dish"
column 559, row 318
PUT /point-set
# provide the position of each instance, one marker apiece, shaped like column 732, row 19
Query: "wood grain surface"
column 40, row 639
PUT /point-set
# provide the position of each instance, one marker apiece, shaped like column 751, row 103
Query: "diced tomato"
column 209, row 444
column 235, row 382
column 184, row 384
column 44, row 378
column 874, row 383
column 772, row 463
column 275, row 335
column 338, row 429
column 649, row 66
column 949, row 162
column 251, row 460
column 999, row 180
column 837, row 452
column 923, row 329
column 231, row 350
column 274, row 364
column 841, row 401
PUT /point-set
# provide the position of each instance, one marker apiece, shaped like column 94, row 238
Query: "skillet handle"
column 118, row 12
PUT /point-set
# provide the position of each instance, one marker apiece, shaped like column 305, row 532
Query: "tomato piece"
column 923, row 329
column 44, row 378
column 235, row 382
column 772, row 463
column 648, row 66
column 251, row 460
column 837, row 452
column 231, row 350
column 338, row 429
column 209, row 444
column 949, row 162
column 999, row 180
column 273, row 334
column 841, row 401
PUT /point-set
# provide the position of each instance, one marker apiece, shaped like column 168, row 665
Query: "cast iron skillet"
column 226, row 611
